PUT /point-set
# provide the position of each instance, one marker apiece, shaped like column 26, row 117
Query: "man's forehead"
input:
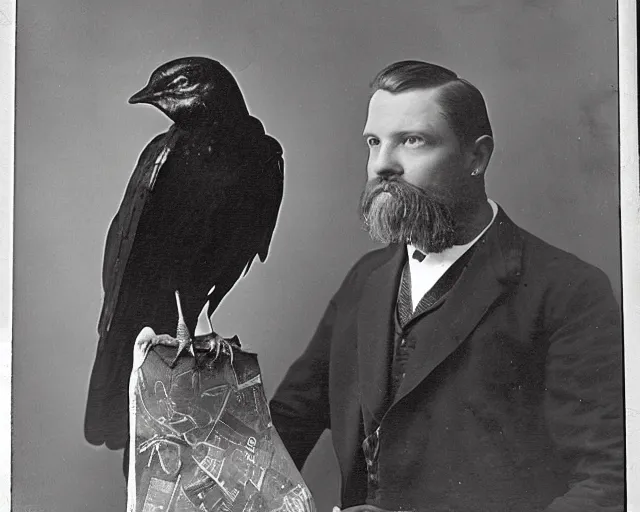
column 413, row 107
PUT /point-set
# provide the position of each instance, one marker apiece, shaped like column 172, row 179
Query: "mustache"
column 406, row 196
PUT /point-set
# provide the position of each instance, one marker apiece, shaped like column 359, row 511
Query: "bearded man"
column 468, row 366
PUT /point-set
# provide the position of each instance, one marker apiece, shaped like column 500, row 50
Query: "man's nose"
column 384, row 164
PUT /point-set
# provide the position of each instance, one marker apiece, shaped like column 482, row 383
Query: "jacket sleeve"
column 300, row 406
column 584, row 394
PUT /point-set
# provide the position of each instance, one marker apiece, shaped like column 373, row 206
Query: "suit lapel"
column 495, row 264
column 375, row 331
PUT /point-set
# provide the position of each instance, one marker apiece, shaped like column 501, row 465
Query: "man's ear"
column 479, row 155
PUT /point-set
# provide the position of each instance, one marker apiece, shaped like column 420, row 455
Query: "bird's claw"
column 216, row 343
column 182, row 345
column 165, row 340
column 220, row 344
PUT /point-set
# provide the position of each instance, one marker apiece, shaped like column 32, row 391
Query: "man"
column 468, row 366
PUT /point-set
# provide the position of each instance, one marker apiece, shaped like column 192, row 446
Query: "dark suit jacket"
column 512, row 399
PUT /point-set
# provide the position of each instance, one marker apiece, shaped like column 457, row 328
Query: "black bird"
column 201, row 204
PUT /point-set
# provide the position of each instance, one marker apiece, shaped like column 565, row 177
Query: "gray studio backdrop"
column 548, row 71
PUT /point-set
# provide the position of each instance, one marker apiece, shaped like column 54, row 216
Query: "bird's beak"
column 145, row 95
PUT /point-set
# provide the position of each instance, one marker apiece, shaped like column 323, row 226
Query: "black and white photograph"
column 320, row 256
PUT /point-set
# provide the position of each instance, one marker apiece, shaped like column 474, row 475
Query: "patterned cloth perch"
column 202, row 438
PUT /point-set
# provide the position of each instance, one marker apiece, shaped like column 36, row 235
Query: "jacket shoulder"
column 374, row 259
column 563, row 282
column 545, row 259
column 363, row 267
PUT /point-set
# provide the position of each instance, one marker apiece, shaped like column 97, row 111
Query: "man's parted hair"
column 462, row 103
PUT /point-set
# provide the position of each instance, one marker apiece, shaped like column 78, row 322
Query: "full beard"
column 395, row 211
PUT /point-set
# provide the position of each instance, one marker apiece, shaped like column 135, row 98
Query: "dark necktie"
column 419, row 255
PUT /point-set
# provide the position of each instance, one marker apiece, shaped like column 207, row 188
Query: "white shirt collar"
column 451, row 254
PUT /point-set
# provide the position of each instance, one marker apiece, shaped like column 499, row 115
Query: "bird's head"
column 193, row 91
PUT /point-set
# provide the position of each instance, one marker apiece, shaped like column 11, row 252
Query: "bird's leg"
column 182, row 335
column 182, row 345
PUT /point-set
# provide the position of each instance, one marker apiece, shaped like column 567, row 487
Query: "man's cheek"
column 371, row 174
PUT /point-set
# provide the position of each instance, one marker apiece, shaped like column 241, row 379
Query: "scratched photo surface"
column 547, row 70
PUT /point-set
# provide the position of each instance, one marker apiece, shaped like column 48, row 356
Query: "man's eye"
column 372, row 141
column 414, row 141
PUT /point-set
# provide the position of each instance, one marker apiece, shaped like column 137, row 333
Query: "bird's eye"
column 180, row 81
column 414, row 141
column 372, row 141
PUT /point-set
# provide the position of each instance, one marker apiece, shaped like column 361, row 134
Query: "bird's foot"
column 182, row 345
column 164, row 340
column 150, row 340
column 220, row 344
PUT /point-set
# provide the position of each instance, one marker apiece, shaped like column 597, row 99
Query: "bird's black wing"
column 114, row 351
column 116, row 227
column 271, row 196
column 241, row 226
